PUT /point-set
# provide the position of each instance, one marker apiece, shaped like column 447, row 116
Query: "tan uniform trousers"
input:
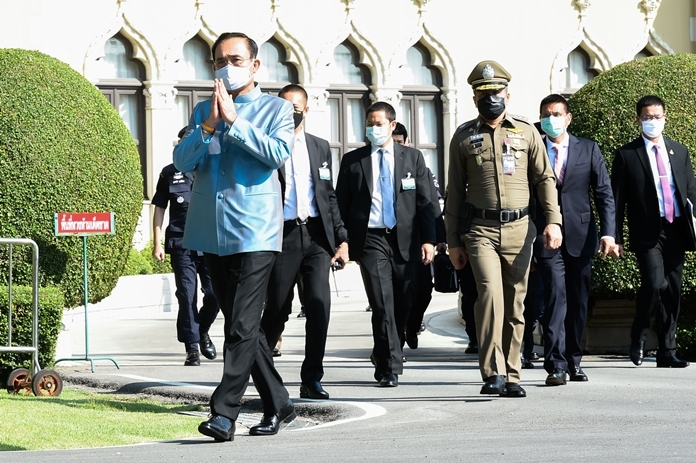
column 500, row 254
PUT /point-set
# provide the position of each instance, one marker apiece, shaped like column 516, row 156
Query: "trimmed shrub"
column 63, row 148
column 604, row 111
column 50, row 316
column 142, row 263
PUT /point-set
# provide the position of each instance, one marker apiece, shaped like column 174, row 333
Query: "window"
column 121, row 82
column 275, row 71
column 195, row 83
column 644, row 53
column 420, row 109
column 578, row 72
column 349, row 98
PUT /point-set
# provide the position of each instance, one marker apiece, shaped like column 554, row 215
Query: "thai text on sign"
column 84, row 223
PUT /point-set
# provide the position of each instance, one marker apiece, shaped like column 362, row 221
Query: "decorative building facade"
column 152, row 58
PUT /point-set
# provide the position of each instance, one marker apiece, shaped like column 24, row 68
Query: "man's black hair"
column 251, row 45
column 649, row 100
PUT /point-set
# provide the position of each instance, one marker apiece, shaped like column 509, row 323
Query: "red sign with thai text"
column 84, row 223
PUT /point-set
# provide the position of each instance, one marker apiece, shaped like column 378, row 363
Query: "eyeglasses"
column 237, row 61
column 651, row 117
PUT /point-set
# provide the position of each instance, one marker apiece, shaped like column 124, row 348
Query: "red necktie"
column 667, row 198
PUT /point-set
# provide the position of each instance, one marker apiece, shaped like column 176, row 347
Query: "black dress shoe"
column 389, row 380
column 313, row 390
column 271, row 424
column 218, row 427
column 192, row 359
column 472, row 348
column 636, row 352
column 412, row 339
column 557, row 378
column 671, row 361
column 368, row 309
column 533, row 356
column 302, row 313
column 422, row 328
column 513, row 390
column 276, row 352
column 576, row 374
column 527, row 364
column 207, row 347
column 493, row 385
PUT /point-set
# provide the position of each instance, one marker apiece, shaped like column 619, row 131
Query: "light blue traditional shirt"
column 236, row 204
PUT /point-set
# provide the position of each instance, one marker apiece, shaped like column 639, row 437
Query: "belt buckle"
column 388, row 230
column 301, row 222
column 504, row 216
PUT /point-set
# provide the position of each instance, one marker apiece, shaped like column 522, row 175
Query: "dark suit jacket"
column 634, row 190
column 415, row 217
column 585, row 172
column 324, row 193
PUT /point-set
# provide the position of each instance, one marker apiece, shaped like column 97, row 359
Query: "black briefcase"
column 445, row 275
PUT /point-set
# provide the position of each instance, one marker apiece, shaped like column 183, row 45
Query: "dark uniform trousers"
column 388, row 281
column 500, row 255
column 533, row 310
column 423, row 294
column 188, row 266
column 568, row 281
column 240, row 282
column 304, row 251
column 468, row 295
column 660, row 284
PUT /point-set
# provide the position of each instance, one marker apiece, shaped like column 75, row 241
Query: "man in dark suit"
column 383, row 193
column 653, row 178
column 313, row 239
column 565, row 272
column 423, row 284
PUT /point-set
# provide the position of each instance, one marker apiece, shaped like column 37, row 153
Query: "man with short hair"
column 383, row 193
column 565, row 272
column 235, row 143
column 313, row 239
column 495, row 160
column 653, row 183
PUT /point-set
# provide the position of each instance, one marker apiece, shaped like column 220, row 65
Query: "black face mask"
column 298, row 117
column 490, row 107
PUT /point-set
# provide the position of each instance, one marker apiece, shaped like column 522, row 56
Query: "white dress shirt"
column 376, row 219
column 649, row 147
column 300, row 201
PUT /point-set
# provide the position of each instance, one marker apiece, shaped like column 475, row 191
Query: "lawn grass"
column 78, row 419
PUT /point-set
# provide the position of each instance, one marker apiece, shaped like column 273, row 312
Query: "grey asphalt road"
column 623, row 414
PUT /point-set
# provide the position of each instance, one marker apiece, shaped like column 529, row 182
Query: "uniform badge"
column 671, row 152
column 514, row 130
column 179, row 199
column 408, row 183
column 488, row 72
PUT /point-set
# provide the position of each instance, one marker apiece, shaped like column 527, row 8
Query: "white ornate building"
column 151, row 58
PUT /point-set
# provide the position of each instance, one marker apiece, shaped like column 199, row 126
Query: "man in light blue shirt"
column 235, row 142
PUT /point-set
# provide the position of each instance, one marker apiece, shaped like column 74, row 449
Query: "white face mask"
column 377, row 135
column 653, row 128
column 234, row 77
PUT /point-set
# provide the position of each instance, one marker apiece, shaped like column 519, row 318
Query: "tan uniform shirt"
column 477, row 174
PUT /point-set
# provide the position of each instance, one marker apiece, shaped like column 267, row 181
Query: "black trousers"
column 660, row 287
column 423, row 294
column 304, row 251
column 566, row 281
column 188, row 266
column 388, row 281
column 468, row 294
column 240, row 282
column 533, row 310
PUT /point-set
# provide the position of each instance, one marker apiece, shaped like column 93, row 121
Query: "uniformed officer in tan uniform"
column 494, row 161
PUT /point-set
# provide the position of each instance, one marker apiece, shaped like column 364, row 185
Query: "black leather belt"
column 382, row 230
column 298, row 222
column 503, row 216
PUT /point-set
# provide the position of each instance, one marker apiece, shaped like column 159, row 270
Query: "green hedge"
column 604, row 111
column 63, row 148
column 50, row 319
column 142, row 263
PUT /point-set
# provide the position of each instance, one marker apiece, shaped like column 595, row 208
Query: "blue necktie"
column 387, row 191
